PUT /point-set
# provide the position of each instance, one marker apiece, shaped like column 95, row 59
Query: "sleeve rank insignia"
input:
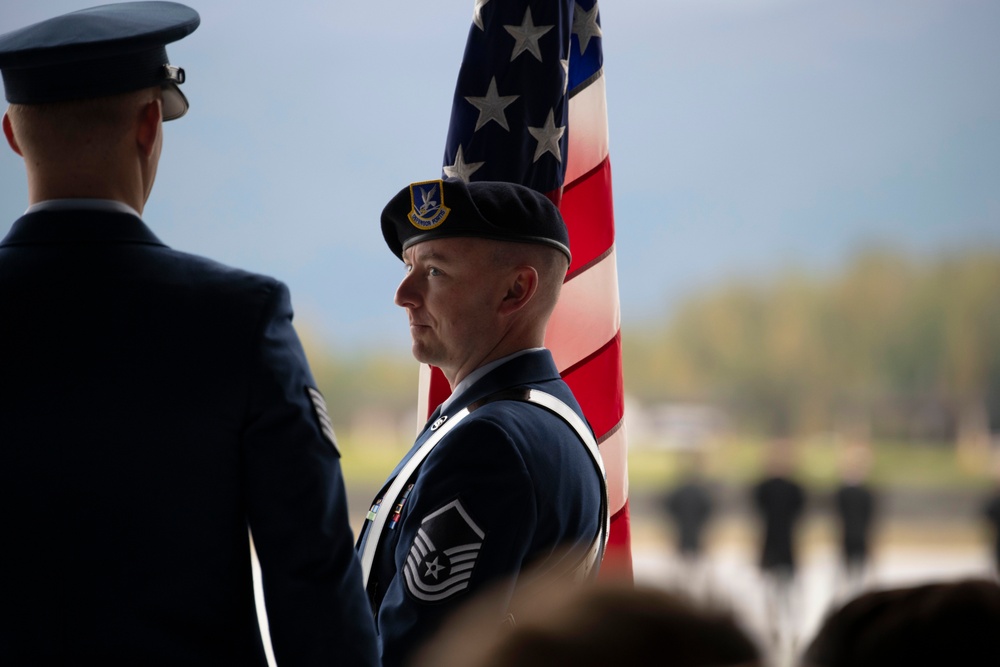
column 322, row 416
column 443, row 555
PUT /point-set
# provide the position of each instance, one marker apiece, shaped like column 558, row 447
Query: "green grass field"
column 739, row 461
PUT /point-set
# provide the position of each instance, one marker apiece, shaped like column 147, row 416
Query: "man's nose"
column 407, row 295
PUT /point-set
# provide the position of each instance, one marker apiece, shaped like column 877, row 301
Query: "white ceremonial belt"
column 389, row 499
column 593, row 555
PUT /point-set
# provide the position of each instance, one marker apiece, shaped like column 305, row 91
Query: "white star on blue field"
column 746, row 136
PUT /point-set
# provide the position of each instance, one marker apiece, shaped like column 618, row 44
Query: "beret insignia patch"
column 443, row 554
column 427, row 209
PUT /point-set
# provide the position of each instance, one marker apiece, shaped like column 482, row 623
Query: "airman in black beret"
column 506, row 471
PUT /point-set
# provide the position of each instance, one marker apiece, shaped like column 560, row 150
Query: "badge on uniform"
column 443, row 554
column 427, row 209
column 322, row 416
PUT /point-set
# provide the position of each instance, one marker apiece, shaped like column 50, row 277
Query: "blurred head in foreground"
column 955, row 623
column 596, row 625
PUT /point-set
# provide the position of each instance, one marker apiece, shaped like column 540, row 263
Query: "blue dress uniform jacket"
column 153, row 404
column 511, row 486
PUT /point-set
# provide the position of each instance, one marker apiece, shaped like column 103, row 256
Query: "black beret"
column 97, row 52
column 481, row 209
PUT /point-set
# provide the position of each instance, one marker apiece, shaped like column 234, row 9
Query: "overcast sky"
column 746, row 136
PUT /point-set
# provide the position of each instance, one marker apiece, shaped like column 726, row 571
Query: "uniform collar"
column 473, row 377
column 525, row 367
column 83, row 205
column 79, row 225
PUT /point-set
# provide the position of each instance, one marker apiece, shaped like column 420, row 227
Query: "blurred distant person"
column 928, row 625
column 854, row 502
column 780, row 502
column 594, row 626
column 690, row 506
column 154, row 405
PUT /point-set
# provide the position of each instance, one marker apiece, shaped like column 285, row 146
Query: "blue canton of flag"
column 509, row 116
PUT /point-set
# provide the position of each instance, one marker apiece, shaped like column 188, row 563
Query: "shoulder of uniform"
column 213, row 273
column 494, row 444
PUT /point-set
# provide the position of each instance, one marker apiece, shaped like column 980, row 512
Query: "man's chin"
column 421, row 354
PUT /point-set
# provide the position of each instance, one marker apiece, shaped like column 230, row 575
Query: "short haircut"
column 596, row 626
column 550, row 263
column 53, row 130
column 954, row 623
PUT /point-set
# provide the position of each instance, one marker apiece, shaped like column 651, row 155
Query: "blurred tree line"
column 361, row 381
column 892, row 346
column 898, row 346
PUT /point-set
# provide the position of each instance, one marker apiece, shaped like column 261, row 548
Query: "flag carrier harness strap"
column 594, row 553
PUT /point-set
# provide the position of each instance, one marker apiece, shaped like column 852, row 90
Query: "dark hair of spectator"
column 956, row 623
column 601, row 626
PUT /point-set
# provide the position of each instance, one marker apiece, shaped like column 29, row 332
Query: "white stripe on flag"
column 423, row 396
column 614, row 453
column 588, row 130
column 587, row 314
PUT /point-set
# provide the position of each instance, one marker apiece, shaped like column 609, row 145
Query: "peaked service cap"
column 480, row 209
column 96, row 52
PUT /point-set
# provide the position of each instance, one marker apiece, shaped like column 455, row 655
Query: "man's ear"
column 8, row 131
column 520, row 289
column 150, row 125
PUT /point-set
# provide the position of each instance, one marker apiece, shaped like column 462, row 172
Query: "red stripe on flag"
column 439, row 390
column 617, row 563
column 587, row 209
column 597, row 385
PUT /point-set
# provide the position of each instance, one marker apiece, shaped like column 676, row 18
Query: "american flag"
column 530, row 108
